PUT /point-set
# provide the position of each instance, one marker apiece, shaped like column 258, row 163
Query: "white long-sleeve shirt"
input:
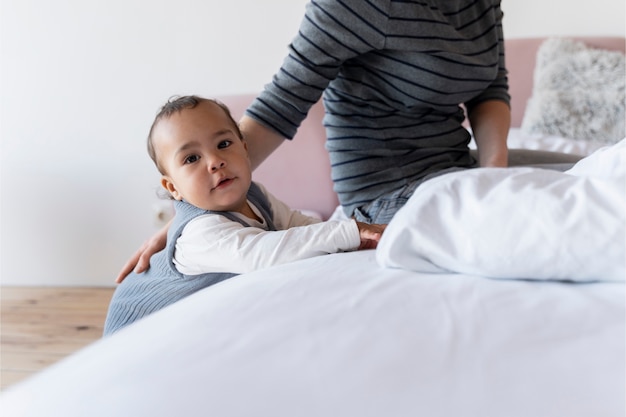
column 213, row 243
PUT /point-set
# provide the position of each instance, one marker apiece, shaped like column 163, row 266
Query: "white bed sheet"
column 341, row 336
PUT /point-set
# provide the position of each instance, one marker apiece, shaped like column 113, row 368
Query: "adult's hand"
column 140, row 261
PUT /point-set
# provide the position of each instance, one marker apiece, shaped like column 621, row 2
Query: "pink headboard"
column 299, row 171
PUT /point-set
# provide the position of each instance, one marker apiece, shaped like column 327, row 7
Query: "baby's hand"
column 370, row 234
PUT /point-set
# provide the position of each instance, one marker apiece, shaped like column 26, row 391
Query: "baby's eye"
column 224, row 144
column 191, row 159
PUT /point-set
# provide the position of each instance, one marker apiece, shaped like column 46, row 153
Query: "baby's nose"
column 217, row 165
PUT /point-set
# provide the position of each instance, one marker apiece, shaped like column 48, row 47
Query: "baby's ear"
column 167, row 183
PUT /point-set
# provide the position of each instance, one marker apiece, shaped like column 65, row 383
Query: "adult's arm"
column 330, row 34
column 490, row 121
column 261, row 140
column 490, row 114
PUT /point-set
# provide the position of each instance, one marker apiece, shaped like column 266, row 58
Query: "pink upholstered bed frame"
column 299, row 171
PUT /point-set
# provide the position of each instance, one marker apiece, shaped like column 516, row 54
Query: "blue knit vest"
column 161, row 285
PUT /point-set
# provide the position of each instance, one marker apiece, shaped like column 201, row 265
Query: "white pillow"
column 518, row 139
column 607, row 162
column 524, row 223
column 578, row 92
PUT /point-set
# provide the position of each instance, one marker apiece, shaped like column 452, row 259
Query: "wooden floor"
column 40, row 326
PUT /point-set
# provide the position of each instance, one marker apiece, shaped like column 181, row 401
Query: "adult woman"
column 393, row 74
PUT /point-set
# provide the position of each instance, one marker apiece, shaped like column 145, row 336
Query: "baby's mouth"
column 224, row 182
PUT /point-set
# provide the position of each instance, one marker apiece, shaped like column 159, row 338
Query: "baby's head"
column 200, row 153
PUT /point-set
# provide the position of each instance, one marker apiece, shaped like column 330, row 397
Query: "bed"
column 527, row 321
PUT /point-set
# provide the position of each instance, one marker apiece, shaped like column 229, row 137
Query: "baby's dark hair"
column 176, row 104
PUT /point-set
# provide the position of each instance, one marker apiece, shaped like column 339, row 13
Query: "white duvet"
column 524, row 223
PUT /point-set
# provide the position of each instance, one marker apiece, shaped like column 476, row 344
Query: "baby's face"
column 206, row 162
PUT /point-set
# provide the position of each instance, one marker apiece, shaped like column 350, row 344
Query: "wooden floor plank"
column 8, row 377
column 42, row 325
column 29, row 361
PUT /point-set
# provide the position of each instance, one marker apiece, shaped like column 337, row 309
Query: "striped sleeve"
column 499, row 88
column 332, row 32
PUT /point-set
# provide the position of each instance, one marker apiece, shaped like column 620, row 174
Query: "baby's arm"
column 286, row 218
column 213, row 243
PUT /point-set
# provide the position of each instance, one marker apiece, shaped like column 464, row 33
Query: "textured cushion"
column 578, row 92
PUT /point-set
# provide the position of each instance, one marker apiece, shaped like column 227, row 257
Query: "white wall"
column 81, row 82
column 528, row 18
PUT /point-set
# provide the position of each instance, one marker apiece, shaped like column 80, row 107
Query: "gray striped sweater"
column 142, row 294
column 393, row 74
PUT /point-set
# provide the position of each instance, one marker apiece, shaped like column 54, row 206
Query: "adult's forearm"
column 490, row 121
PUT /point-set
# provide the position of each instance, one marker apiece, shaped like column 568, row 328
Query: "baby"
column 225, row 224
